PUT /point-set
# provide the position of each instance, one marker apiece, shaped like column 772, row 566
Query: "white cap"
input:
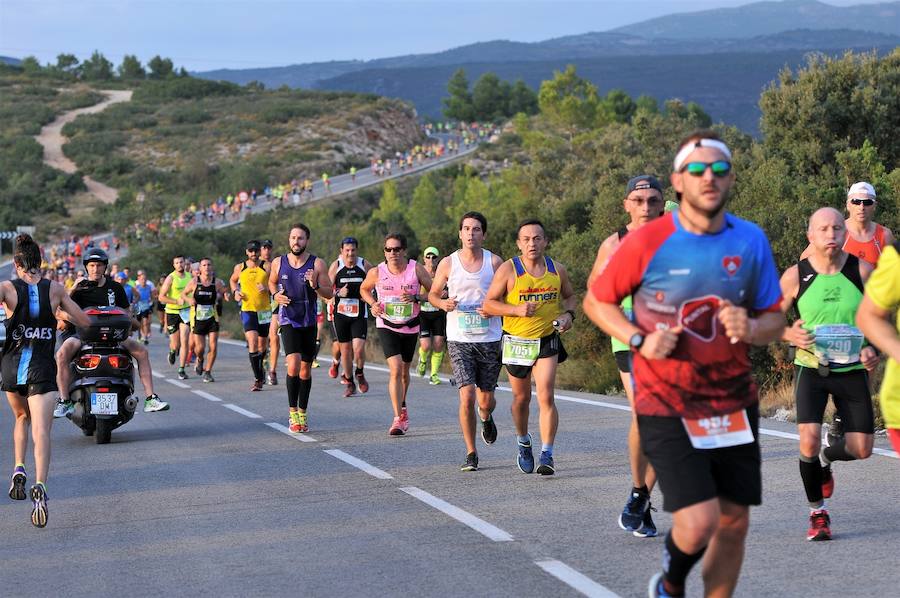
column 861, row 188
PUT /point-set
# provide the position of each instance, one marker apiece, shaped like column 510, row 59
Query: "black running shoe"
column 489, row 430
column 182, row 375
column 17, row 484
column 172, row 357
column 471, row 463
column 39, row 505
column 198, row 369
column 649, row 528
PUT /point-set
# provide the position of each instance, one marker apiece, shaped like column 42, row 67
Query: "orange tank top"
column 867, row 251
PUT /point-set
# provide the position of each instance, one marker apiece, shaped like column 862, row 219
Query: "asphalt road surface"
column 215, row 497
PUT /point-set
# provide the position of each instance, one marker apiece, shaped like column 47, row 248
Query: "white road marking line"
column 176, row 383
column 886, row 453
column 360, row 464
column 574, row 579
column 286, row 430
column 242, row 411
column 158, row 375
column 228, row 341
column 207, row 396
column 479, row 525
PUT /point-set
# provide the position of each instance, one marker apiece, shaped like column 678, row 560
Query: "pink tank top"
column 398, row 316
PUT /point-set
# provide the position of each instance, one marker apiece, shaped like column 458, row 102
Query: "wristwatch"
column 636, row 340
column 571, row 312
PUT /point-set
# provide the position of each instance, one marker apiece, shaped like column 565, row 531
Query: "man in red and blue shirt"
column 705, row 288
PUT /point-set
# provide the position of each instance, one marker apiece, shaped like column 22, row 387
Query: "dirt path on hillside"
column 52, row 139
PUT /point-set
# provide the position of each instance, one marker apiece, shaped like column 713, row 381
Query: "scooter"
column 103, row 375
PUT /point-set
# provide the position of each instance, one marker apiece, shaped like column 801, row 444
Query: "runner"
column 29, row 368
column 643, row 203
column 178, row 313
column 146, row 296
column 694, row 275
column 831, row 359
column 203, row 293
column 865, row 238
column 248, row 284
column 534, row 295
column 99, row 289
column 873, row 317
column 351, row 317
column 160, row 306
column 296, row 280
column 432, row 325
column 396, row 281
column 474, row 338
column 270, row 362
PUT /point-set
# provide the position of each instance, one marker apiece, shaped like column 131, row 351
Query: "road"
column 215, row 498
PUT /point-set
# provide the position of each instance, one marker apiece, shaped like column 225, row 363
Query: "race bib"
column 264, row 317
column 428, row 307
column 838, row 344
column 204, row 312
column 348, row 307
column 719, row 431
column 185, row 315
column 143, row 306
column 398, row 312
column 471, row 322
column 520, row 351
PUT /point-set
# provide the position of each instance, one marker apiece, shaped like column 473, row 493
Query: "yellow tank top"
column 179, row 283
column 530, row 289
column 253, row 298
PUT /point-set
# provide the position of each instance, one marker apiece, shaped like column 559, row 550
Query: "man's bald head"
column 824, row 215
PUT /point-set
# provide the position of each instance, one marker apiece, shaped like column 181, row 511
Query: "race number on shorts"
column 719, row 431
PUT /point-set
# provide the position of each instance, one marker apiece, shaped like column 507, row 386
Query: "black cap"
column 253, row 245
column 267, row 243
column 643, row 181
column 95, row 254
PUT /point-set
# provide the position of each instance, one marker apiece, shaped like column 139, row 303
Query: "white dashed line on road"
column 481, row 526
column 207, row 396
column 242, row 411
column 177, row 383
column 158, row 375
column 285, row 430
column 360, row 464
column 574, row 579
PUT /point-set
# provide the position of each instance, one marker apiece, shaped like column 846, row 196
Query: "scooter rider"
column 98, row 289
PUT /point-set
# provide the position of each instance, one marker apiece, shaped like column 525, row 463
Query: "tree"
column 425, row 212
column 490, row 98
column 390, row 210
column 31, row 66
column 160, row 68
column 620, row 106
column 647, row 104
column 522, row 99
column 131, row 68
column 569, row 102
column 66, row 63
column 97, row 68
column 458, row 106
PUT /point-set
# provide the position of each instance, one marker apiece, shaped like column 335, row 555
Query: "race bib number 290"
column 719, row 431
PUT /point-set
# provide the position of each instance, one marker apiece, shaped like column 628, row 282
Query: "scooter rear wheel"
column 104, row 431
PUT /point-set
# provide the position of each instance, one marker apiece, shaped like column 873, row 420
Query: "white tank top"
column 469, row 289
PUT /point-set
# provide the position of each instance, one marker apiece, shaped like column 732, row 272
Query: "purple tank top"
column 301, row 312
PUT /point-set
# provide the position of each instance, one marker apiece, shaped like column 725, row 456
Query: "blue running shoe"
column 632, row 517
column 656, row 589
column 39, row 502
column 546, row 466
column 649, row 528
column 17, row 485
column 525, row 459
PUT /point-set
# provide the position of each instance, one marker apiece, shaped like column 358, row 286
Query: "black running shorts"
column 550, row 345
column 204, row 327
column 299, row 340
column 432, row 323
column 346, row 329
column 174, row 322
column 398, row 343
column 688, row 476
column 623, row 361
column 849, row 391
column 35, row 388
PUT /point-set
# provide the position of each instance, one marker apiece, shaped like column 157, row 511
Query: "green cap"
column 433, row 250
column 671, row 206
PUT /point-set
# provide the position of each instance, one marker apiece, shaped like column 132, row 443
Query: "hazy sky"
column 209, row 34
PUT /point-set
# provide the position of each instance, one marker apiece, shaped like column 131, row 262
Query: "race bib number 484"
column 719, row 431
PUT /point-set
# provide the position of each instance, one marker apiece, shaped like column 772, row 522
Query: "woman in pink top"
column 396, row 282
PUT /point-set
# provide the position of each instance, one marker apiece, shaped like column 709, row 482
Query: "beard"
column 298, row 249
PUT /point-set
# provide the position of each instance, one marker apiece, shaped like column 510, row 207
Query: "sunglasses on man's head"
column 863, row 202
column 397, row 249
column 720, row 168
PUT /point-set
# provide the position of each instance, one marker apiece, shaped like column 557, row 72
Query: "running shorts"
column 432, row 323
column 550, row 345
column 475, row 363
column 27, row 390
column 299, row 340
column 173, row 322
column 623, row 361
column 143, row 315
column 250, row 320
column 397, row 343
column 346, row 329
column 849, row 391
column 204, row 327
column 688, row 476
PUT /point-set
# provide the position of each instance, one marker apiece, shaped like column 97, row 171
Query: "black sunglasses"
column 863, row 202
column 393, row 249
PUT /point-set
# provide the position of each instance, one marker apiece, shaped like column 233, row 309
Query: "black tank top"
column 205, row 294
column 28, row 353
column 352, row 277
